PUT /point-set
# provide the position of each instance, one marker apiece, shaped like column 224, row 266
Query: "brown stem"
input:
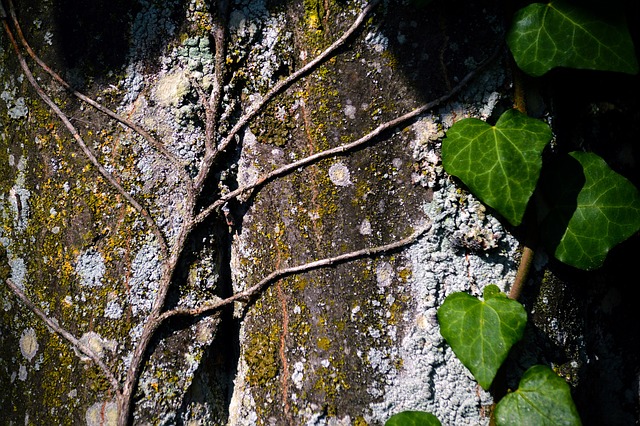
column 519, row 103
column 153, row 321
column 523, row 273
column 211, row 306
column 213, row 104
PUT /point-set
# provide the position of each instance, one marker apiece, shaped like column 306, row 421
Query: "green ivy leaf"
column 481, row 333
column 542, row 399
column 592, row 209
column 500, row 164
column 413, row 418
column 559, row 34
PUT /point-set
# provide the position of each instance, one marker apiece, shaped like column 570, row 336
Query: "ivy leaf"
column 542, row 399
column 592, row 209
column 413, row 418
column 559, row 34
column 481, row 333
column 500, row 164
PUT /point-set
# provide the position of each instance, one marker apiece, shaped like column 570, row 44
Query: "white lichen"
column 97, row 344
column 18, row 271
column 171, row 89
column 384, row 274
column 350, row 111
column 144, row 279
column 365, row 227
column 377, row 41
column 16, row 107
column 104, row 413
column 298, row 373
column 339, row 175
column 90, row 268
column 432, row 379
column 19, row 197
column 29, row 344
column 22, row 373
column 113, row 310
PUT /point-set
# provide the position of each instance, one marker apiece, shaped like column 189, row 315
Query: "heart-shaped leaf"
column 500, row 164
column 560, row 34
column 481, row 333
column 592, row 209
column 542, row 399
column 413, row 418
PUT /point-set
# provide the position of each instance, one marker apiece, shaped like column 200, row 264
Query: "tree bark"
column 136, row 245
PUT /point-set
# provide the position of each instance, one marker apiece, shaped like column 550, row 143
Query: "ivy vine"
column 579, row 206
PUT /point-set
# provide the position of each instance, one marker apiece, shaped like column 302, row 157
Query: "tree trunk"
column 136, row 245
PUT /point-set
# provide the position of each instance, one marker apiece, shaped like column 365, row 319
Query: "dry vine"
column 215, row 145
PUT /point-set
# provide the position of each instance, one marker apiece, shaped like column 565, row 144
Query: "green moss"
column 261, row 355
column 331, row 382
column 275, row 124
column 324, row 343
column 360, row 421
column 71, row 208
column 405, row 274
column 314, row 13
column 391, row 59
column 56, row 388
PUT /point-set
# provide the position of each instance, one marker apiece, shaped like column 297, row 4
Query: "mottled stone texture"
column 352, row 343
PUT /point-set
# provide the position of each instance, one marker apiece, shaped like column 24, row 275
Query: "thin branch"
column 252, row 291
column 208, row 159
column 528, row 251
column 342, row 149
column 177, row 162
column 53, row 325
column 213, row 104
column 523, row 273
column 92, row 158
column 151, row 325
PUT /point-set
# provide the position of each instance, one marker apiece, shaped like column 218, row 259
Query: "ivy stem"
column 519, row 103
column 523, row 272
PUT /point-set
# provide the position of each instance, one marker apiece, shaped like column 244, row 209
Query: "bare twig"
column 252, row 291
column 209, row 158
column 90, row 156
column 53, row 325
column 152, row 323
column 213, row 104
column 342, row 149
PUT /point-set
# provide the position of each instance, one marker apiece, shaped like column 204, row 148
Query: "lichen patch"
column 384, row 274
column 102, row 414
column 365, row 227
column 339, row 175
column 350, row 111
column 29, row 344
column 90, row 268
column 97, row 344
column 171, row 89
